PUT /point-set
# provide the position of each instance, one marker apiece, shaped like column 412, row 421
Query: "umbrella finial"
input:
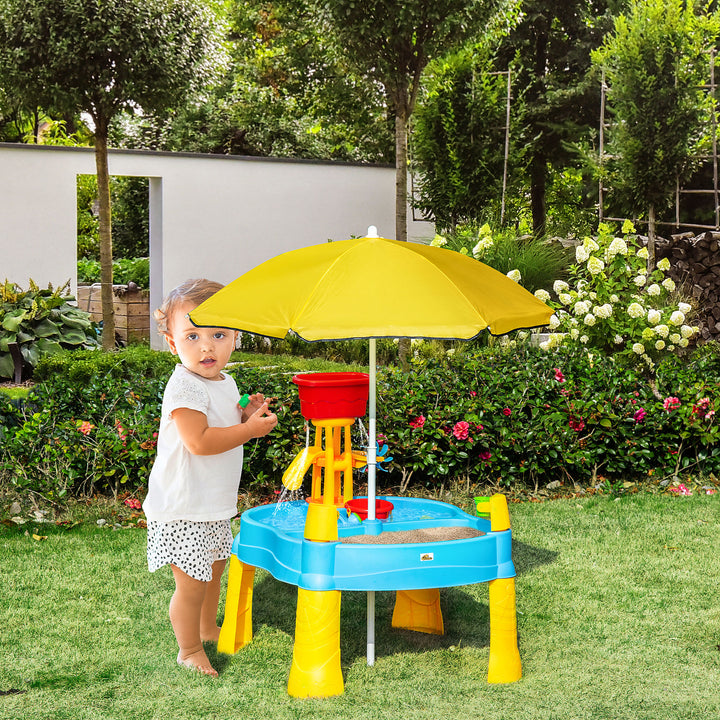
column 372, row 232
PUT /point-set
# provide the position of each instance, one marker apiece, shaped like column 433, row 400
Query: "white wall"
column 213, row 216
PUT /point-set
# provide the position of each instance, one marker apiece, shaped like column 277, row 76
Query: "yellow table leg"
column 236, row 629
column 418, row 610
column 504, row 665
column 315, row 670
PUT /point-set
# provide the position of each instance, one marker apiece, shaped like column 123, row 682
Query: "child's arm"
column 201, row 439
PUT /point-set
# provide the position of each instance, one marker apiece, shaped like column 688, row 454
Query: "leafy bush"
column 41, row 322
column 612, row 303
column 538, row 261
column 125, row 270
column 497, row 416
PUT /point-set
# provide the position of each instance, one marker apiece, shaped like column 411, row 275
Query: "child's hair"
column 195, row 291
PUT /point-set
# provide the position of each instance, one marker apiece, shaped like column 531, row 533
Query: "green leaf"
column 48, row 347
column 12, row 320
column 46, row 328
column 73, row 337
column 7, row 366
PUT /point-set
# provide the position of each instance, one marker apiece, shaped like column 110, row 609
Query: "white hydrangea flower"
column 684, row 307
column 515, row 275
column 590, row 245
column 668, row 284
column 648, row 334
column 560, row 286
column 595, row 265
column 684, row 342
column 581, row 307
column 653, row 289
column 675, row 338
column 677, row 318
column 618, row 340
column 664, row 264
column 584, row 339
column 581, row 254
column 565, row 298
column 635, row 310
column 638, row 348
column 438, row 241
column 542, row 295
column 482, row 245
column 639, row 280
column 654, row 317
column 662, row 330
column 614, row 299
column 544, row 345
column 554, row 322
column 592, row 295
column 643, row 253
column 660, row 345
column 574, row 333
column 589, row 319
column 617, row 247
column 686, row 331
column 603, row 311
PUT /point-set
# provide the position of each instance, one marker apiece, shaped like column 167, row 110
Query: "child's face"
column 202, row 350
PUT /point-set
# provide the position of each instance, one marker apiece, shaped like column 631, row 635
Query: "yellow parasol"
column 372, row 287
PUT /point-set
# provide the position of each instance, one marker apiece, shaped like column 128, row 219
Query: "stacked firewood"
column 695, row 267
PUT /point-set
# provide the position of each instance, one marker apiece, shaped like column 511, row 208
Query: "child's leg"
column 209, row 630
column 185, row 610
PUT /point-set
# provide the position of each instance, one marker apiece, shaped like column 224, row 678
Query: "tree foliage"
column 655, row 61
column 103, row 58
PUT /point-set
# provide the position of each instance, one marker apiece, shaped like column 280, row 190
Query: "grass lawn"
column 619, row 618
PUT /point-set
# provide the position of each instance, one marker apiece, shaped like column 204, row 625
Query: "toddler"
column 194, row 481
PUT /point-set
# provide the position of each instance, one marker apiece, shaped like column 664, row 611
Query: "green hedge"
column 486, row 415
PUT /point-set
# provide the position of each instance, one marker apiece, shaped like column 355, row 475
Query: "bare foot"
column 211, row 636
column 198, row 661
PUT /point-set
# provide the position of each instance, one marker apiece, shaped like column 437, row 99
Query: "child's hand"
column 254, row 403
column 261, row 422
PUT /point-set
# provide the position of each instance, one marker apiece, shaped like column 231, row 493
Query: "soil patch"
column 421, row 535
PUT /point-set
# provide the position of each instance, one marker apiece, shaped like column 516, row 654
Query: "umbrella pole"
column 372, row 467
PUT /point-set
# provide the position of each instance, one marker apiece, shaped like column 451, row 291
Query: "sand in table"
column 421, row 535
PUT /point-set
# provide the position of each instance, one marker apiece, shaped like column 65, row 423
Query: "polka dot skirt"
column 191, row 546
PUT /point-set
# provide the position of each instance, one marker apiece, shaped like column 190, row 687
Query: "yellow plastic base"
column 236, row 630
column 504, row 665
column 418, row 610
column 315, row 670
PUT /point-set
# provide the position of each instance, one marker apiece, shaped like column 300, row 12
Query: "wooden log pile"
column 695, row 267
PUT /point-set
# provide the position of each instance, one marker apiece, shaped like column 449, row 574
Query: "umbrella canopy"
column 370, row 288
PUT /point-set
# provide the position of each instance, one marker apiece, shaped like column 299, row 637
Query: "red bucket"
column 333, row 395
column 359, row 506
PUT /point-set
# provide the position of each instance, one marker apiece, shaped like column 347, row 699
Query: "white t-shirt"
column 184, row 486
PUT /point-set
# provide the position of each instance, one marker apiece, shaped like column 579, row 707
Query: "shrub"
column 125, row 270
column 499, row 416
column 613, row 304
column 41, row 322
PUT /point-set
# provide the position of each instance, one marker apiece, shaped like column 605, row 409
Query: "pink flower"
column 576, row 424
column 85, row 427
column 671, row 403
column 133, row 503
column 473, row 393
column 710, row 491
column 485, row 455
column 461, row 430
column 639, row 415
column 681, row 490
column 559, row 376
column 507, row 412
column 417, row 422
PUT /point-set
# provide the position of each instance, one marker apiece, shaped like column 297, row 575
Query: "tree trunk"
column 651, row 239
column 105, row 233
column 538, row 180
column 400, row 175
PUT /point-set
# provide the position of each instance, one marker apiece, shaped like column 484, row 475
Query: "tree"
column 655, row 61
column 103, row 58
column 458, row 137
column 392, row 41
column 560, row 103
